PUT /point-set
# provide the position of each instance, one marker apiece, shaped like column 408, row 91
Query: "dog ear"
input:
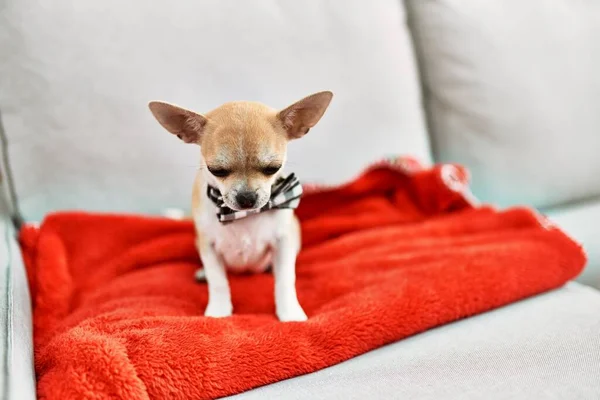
column 298, row 118
column 185, row 124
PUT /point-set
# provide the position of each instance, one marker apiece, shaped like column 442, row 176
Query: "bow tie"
column 285, row 193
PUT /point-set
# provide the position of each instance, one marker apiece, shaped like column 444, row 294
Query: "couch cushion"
column 582, row 223
column 546, row 347
column 512, row 91
column 76, row 77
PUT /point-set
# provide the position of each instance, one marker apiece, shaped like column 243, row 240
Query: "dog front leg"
column 284, row 269
column 219, row 295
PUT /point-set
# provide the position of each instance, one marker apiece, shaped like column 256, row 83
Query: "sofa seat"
column 547, row 344
column 581, row 221
column 544, row 347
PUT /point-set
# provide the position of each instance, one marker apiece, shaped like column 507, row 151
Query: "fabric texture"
column 285, row 193
column 76, row 78
column 397, row 251
column 17, row 377
column 511, row 91
column 540, row 348
column 582, row 222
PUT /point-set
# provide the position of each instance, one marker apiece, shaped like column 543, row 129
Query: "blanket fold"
column 399, row 250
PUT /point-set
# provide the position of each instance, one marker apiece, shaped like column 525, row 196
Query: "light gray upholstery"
column 582, row 222
column 75, row 79
column 17, row 378
column 546, row 347
column 512, row 91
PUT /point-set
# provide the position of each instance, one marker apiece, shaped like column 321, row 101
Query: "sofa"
column 508, row 89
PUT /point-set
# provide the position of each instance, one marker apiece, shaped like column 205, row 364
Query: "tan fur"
column 244, row 137
column 243, row 151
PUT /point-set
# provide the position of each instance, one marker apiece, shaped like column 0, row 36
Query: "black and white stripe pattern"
column 285, row 193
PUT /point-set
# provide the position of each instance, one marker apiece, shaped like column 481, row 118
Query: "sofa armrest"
column 17, row 376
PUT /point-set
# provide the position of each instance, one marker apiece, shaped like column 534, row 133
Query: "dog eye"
column 271, row 170
column 219, row 172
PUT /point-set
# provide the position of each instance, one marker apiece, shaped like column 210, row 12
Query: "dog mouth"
column 245, row 206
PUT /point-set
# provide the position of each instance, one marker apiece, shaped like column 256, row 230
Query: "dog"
column 240, row 225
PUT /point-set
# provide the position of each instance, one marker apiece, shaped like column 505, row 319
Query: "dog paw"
column 218, row 310
column 291, row 313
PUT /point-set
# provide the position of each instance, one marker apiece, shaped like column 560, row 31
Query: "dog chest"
column 247, row 242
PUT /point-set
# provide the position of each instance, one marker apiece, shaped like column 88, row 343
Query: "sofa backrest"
column 76, row 77
column 512, row 90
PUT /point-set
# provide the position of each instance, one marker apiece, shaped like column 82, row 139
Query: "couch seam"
column 415, row 38
column 6, row 175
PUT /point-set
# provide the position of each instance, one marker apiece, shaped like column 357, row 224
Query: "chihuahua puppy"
column 243, row 152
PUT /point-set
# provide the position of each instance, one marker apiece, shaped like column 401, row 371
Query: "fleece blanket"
column 401, row 249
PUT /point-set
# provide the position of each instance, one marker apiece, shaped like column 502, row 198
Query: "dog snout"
column 246, row 200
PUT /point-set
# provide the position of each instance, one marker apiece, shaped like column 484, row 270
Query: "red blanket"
column 117, row 312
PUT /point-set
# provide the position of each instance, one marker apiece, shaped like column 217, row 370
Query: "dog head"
column 243, row 144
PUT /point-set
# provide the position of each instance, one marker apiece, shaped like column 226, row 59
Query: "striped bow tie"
column 285, row 193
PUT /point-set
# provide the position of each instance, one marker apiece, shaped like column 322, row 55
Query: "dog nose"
column 246, row 199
